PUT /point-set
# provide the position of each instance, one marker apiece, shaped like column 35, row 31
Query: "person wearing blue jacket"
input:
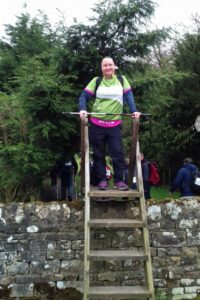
column 184, row 178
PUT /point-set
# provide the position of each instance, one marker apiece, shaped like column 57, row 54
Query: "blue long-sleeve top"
column 128, row 98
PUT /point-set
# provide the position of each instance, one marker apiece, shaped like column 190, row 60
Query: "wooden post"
column 145, row 233
column 135, row 129
column 87, row 213
column 83, row 124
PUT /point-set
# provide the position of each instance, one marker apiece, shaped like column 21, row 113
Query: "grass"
column 162, row 192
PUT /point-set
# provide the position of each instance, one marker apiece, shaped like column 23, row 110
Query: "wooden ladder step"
column 113, row 193
column 115, row 223
column 119, row 292
column 117, row 255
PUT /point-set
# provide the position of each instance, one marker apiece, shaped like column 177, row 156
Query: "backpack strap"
column 98, row 81
column 120, row 78
column 100, row 78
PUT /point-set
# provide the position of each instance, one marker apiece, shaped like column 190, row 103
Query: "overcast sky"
column 168, row 12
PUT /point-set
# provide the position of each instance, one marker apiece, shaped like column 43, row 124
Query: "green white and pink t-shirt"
column 109, row 99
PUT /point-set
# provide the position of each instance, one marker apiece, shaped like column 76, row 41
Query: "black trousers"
column 66, row 185
column 100, row 139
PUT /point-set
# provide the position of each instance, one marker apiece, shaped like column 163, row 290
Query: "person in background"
column 126, row 169
column 54, row 175
column 184, row 178
column 105, row 130
column 68, row 169
column 145, row 175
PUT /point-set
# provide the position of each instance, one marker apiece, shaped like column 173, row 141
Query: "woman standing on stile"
column 105, row 130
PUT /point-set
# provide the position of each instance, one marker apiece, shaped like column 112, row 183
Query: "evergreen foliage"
column 42, row 72
column 174, row 104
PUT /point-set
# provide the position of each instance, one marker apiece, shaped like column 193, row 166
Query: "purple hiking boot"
column 121, row 185
column 103, row 185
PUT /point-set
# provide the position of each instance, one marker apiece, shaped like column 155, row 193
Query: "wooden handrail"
column 84, row 122
column 134, row 139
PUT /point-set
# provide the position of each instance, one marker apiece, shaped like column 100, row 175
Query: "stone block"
column 17, row 245
column 29, row 256
column 178, row 291
column 18, row 268
column 38, row 245
column 71, row 235
column 162, row 252
column 154, row 213
column 193, row 237
column 187, row 282
column 192, row 289
column 2, row 246
column 28, row 279
column 2, row 269
column 6, row 280
column 172, row 210
column 60, row 254
column 124, row 239
column 51, row 245
column 8, row 257
column 159, row 283
column 173, row 238
column 71, row 266
column 185, row 297
column 21, row 290
column 130, row 264
column 45, row 278
column 111, row 265
column 79, row 254
column 78, row 245
column 47, row 267
column 64, row 245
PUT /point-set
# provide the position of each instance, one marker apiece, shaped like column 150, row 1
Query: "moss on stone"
column 77, row 204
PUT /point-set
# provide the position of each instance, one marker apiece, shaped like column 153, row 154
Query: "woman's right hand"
column 83, row 114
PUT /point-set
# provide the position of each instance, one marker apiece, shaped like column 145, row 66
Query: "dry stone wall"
column 41, row 249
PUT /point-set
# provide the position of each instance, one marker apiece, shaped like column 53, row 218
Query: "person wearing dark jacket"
column 68, row 169
column 184, row 178
column 145, row 175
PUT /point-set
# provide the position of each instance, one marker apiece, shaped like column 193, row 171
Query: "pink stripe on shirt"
column 90, row 92
column 127, row 90
column 105, row 123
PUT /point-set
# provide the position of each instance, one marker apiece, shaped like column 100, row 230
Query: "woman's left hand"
column 136, row 114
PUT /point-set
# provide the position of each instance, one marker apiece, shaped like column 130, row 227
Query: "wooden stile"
column 116, row 292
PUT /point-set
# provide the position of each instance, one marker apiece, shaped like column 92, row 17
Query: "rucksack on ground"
column 154, row 177
column 195, row 184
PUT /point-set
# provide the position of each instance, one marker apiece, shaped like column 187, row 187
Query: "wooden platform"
column 113, row 193
column 117, row 255
column 116, row 292
column 115, row 223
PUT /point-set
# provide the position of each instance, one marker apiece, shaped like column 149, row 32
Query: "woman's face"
column 108, row 67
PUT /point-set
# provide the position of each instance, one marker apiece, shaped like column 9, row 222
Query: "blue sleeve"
column 84, row 97
column 129, row 99
column 177, row 182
